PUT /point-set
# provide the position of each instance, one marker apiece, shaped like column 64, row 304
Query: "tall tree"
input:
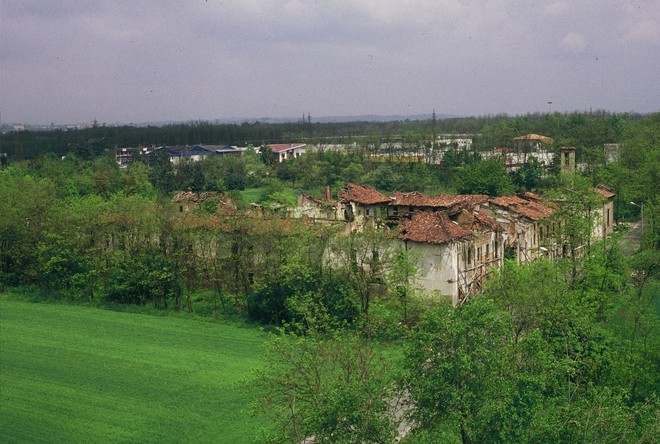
column 578, row 212
column 364, row 258
column 330, row 390
column 267, row 156
column 456, row 367
column 26, row 207
column 528, row 177
column 162, row 173
column 484, row 177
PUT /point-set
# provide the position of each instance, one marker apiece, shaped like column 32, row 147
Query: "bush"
column 147, row 277
column 304, row 302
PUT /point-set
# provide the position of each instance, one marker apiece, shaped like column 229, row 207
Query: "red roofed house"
column 527, row 225
column 326, row 209
column 608, row 195
column 404, row 204
column 485, row 252
column 460, row 239
column 455, row 257
column 285, row 151
column 362, row 205
column 438, row 241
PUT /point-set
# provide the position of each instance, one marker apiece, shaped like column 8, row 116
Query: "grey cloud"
column 49, row 9
column 147, row 60
column 573, row 42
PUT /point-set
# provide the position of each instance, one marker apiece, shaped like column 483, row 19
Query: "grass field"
column 252, row 195
column 78, row 374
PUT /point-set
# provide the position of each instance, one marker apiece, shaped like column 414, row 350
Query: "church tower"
column 567, row 159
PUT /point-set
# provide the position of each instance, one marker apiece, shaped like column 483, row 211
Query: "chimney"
column 328, row 193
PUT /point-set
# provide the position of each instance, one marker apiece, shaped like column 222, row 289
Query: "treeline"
column 574, row 129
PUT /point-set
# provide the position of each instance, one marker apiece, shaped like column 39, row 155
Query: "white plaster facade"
column 438, row 267
column 317, row 209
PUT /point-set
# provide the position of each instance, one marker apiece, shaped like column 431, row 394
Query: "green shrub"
column 144, row 278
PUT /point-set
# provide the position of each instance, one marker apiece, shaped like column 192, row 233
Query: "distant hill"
column 314, row 119
column 7, row 127
column 379, row 118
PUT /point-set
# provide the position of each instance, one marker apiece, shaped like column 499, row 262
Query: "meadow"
column 81, row 374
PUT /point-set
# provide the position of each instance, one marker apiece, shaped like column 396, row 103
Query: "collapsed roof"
column 435, row 228
column 361, row 194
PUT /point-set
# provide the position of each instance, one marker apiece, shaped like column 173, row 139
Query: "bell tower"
column 567, row 159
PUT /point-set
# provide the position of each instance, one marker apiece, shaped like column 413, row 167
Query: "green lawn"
column 78, row 374
column 252, row 195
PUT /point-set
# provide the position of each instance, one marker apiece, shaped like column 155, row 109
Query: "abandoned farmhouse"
column 459, row 240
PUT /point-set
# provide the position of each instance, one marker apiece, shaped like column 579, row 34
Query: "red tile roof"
column 362, row 194
column 434, row 228
column 486, row 221
column 415, row 199
column 604, row 191
column 531, row 196
column 536, row 137
column 279, row 147
column 471, row 220
column 472, row 199
column 530, row 208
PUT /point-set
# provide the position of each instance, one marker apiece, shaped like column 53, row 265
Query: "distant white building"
column 513, row 159
column 460, row 141
column 286, row 151
column 532, row 142
column 611, row 152
column 124, row 156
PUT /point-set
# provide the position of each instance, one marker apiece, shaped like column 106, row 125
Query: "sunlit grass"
column 252, row 195
column 78, row 374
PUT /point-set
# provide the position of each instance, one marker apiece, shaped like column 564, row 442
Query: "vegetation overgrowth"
column 551, row 352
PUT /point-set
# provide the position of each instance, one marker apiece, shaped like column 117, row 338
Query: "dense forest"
column 550, row 352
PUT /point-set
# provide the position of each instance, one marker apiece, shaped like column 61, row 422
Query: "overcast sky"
column 66, row 61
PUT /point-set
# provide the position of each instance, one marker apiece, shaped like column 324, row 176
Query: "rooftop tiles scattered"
column 362, row 194
column 531, row 208
column 435, row 228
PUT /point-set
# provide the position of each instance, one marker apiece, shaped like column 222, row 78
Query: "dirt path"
column 630, row 241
